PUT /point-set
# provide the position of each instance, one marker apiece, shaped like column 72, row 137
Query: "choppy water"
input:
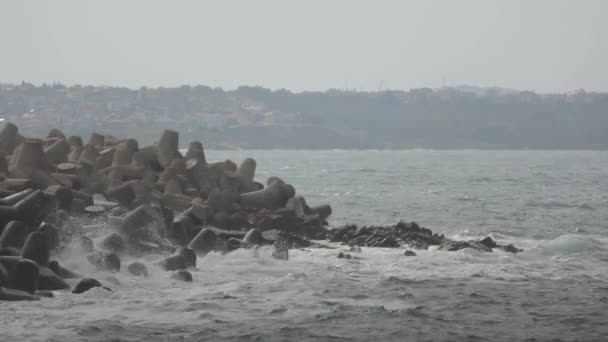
column 553, row 204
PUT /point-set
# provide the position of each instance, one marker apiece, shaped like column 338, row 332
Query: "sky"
column 539, row 45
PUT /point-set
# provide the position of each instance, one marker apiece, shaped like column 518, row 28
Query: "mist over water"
column 554, row 205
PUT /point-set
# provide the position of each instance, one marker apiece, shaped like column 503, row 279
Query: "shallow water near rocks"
column 552, row 204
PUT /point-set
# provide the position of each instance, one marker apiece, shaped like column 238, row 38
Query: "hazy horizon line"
column 354, row 89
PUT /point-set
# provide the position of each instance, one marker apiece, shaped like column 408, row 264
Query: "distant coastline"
column 451, row 118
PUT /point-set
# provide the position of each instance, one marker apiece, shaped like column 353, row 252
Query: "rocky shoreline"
column 159, row 202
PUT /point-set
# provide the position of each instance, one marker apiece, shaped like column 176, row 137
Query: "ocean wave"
column 552, row 204
column 568, row 244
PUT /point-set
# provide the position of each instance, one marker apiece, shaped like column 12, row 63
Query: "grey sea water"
column 552, row 204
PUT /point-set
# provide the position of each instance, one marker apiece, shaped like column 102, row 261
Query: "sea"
column 553, row 204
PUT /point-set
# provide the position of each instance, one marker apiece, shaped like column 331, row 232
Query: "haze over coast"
column 463, row 117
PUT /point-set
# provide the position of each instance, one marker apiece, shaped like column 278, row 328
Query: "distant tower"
column 443, row 82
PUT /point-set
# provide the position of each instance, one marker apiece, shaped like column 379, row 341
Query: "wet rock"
column 203, row 242
column 85, row 285
column 86, row 243
column 237, row 220
column 488, row 242
column 21, row 274
column 453, row 246
column 174, row 262
column 3, row 276
column 79, row 205
column 36, row 248
column 409, row 253
column 142, row 223
column 188, row 254
column 510, row 249
column 342, row 255
column 274, row 196
column 280, row 248
column 138, row 269
column 103, row 260
column 51, row 233
column 16, row 295
column 14, row 234
column 182, row 275
column 253, row 237
column 323, row 211
column 233, row 244
column 45, row 294
column 9, row 251
column 420, row 240
column 410, row 234
column 386, row 242
column 114, row 242
column 49, row 280
column 62, row 271
column 221, row 219
column 180, row 231
column 478, row 246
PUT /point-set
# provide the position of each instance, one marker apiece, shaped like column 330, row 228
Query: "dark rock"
column 238, row 220
column 45, row 294
column 14, row 234
column 9, row 251
column 511, row 249
column 221, row 219
column 138, row 269
column 203, row 242
column 79, row 205
column 322, row 211
column 62, row 271
column 51, row 233
column 86, row 243
column 409, row 253
column 114, row 242
column 281, row 248
column 142, row 223
column 16, row 295
column 107, row 261
column 253, row 237
column 182, row 275
column 85, row 285
column 48, row 280
column 387, row 242
column 3, row 276
column 227, row 234
column 488, row 242
column 344, row 256
column 421, row 240
column 24, row 276
column 188, row 254
column 233, row 244
column 453, row 246
column 174, row 262
column 290, row 240
column 478, row 246
column 36, row 248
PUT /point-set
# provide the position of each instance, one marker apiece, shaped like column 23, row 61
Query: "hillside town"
column 255, row 117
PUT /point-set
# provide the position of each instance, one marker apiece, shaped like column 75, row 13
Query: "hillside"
column 255, row 117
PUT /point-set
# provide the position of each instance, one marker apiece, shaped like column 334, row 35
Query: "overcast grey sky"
column 542, row 45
